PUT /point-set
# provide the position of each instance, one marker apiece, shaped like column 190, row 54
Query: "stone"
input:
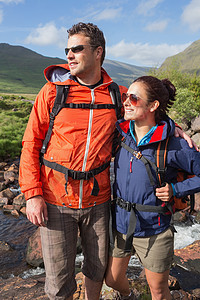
column 7, row 193
column 8, row 208
column 15, row 213
column 189, row 257
column 196, row 139
column 3, row 165
column 197, row 202
column 17, row 288
column 10, row 176
column 34, row 250
column 195, row 124
column 180, row 216
column 2, row 186
column 1, row 175
column 4, row 246
column 19, row 200
column 197, row 219
column 23, row 210
column 3, row 201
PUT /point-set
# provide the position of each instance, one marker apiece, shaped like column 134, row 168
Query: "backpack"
column 59, row 103
column 160, row 158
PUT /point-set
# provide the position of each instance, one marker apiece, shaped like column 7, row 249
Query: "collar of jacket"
column 165, row 128
column 60, row 74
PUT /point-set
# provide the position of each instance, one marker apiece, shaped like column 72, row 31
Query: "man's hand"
column 179, row 132
column 36, row 211
column 164, row 193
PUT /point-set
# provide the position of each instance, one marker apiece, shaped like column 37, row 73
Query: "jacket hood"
column 60, row 74
column 165, row 128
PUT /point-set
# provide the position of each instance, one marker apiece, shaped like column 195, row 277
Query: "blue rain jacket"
column 132, row 181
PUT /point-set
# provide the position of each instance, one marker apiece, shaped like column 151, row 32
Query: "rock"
column 17, row 288
column 7, row 193
column 197, row 202
column 3, row 165
column 197, row 219
column 10, row 176
column 173, row 283
column 180, row 294
column 19, row 200
column 34, row 250
column 3, row 201
column 189, row 257
column 8, row 208
column 180, row 217
column 1, row 175
column 196, row 139
column 15, row 213
column 195, row 124
column 4, row 246
column 23, row 210
column 2, row 186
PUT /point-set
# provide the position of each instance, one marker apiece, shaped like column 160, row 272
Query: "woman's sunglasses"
column 132, row 97
column 76, row 49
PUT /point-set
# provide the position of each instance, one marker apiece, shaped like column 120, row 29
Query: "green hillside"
column 21, row 70
column 186, row 61
column 123, row 73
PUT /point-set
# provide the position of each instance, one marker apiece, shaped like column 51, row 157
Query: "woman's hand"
column 164, row 193
column 179, row 132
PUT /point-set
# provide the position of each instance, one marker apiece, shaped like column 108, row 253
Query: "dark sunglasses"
column 76, row 49
column 132, row 97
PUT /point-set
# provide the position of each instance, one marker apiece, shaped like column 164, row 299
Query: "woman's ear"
column 154, row 105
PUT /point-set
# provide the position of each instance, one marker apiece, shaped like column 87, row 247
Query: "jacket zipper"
column 86, row 150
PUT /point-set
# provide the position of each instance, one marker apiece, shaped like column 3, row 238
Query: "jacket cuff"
column 173, row 188
column 32, row 193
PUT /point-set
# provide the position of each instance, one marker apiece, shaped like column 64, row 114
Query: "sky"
column 137, row 32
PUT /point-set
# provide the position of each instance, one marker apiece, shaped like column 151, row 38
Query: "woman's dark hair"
column 162, row 90
column 93, row 32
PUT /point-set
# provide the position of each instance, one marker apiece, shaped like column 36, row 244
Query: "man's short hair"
column 93, row 32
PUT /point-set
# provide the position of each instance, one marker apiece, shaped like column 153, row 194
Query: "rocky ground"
column 12, row 203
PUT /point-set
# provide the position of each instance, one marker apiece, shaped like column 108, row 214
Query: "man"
column 81, row 141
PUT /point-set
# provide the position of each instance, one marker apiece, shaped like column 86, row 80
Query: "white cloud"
column 157, row 26
column 98, row 14
column 1, row 16
column 48, row 34
column 11, row 1
column 107, row 14
column 144, row 54
column 191, row 15
column 145, row 6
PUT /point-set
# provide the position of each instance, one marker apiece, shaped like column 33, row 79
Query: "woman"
column 147, row 233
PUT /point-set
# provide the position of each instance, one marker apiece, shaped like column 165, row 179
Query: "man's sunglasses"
column 76, row 49
column 132, row 97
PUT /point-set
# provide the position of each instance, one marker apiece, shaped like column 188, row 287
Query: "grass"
column 14, row 114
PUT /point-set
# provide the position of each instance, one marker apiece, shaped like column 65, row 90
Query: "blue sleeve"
column 181, row 156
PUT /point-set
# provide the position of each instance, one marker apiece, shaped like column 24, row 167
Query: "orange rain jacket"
column 81, row 140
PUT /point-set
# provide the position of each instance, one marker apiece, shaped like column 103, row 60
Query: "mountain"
column 186, row 61
column 21, row 70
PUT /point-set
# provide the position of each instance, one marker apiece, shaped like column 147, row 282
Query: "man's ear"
column 99, row 52
column 154, row 105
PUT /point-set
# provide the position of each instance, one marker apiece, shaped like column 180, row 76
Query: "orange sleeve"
column 29, row 171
